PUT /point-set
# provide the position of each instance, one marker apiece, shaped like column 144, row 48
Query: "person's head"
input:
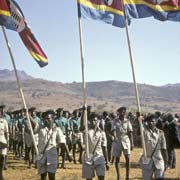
column 121, row 112
column 48, row 117
column 176, row 115
column 32, row 112
column 93, row 119
column 89, row 108
column 105, row 114
column 151, row 121
column 157, row 114
column 59, row 112
column 2, row 107
column 169, row 117
column 75, row 113
column 66, row 114
column 23, row 112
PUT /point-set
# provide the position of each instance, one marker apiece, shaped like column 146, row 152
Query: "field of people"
column 18, row 169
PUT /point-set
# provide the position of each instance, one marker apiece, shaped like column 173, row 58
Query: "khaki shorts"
column 51, row 161
column 88, row 170
column 148, row 173
column 117, row 149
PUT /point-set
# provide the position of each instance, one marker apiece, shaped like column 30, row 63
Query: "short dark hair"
column 150, row 117
column 92, row 116
column 59, row 109
column 121, row 109
column 2, row 106
column 32, row 109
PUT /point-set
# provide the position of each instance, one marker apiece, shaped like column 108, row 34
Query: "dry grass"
column 18, row 170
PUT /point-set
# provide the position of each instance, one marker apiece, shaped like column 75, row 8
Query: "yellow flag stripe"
column 101, row 7
column 38, row 57
column 157, row 7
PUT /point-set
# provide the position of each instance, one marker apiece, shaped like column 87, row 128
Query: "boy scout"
column 123, row 140
column 62, row 123
column 77, row 137
column 96, row 140
column 156, row 150
column 3, row 141
column 49, row 139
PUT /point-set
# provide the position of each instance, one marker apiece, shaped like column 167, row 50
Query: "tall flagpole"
column 83, row 82
column 134, row 80
column 20, row 89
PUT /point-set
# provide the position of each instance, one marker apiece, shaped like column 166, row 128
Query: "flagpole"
column 20, row 88
column 134, row 80
column 83, row 82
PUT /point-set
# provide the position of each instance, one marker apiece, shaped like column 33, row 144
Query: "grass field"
column 18, row 170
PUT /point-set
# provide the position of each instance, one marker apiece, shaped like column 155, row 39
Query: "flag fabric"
column 108, row 11
column 12, row 18
column 5, row 16
column 163, row 10
column 112, row 11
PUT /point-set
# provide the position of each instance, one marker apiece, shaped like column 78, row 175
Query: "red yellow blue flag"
column 108, row 11
column 112, row 11
column 163, row 10
column 12, row 18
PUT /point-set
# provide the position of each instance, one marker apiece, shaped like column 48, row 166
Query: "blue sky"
column 155, row 46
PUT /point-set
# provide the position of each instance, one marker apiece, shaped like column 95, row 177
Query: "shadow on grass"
column 134, row 165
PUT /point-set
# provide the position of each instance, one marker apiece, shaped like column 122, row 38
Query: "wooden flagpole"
column 20, row 89
column 83, row 82
column 134, row 80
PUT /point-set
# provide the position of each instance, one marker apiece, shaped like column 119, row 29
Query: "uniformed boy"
column 123, row 140
column 155, row 144
column 49, row 140
column 62, row 123
column 77, row 137
column 96, row 161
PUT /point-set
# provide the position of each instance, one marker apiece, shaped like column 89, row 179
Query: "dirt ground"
column 18, row 170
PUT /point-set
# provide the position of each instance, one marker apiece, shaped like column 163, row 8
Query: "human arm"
column 130, row 134
column 165, row 157
column 104, row 149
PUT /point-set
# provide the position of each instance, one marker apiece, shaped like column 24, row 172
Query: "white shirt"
column 45, row 134
column 3, row 130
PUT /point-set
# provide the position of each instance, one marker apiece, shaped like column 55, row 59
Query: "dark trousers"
column 171, row 157
column 1, row 166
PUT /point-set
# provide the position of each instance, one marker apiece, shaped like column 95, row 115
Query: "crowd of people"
column 61, row 133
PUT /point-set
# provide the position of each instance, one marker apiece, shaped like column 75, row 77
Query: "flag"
column 108, row 11
column 163, row 10
column 112, row 11
column 13, row 18
column 5, row 16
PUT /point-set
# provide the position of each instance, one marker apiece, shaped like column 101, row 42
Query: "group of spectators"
column 61, row 133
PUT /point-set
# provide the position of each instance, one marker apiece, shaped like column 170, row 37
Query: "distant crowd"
column 61, row 133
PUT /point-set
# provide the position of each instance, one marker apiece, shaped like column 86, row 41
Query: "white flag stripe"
column 17, row 17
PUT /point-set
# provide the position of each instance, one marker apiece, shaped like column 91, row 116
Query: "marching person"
column 155, row 144
column 62, row 123
column 97, row 150
column 49, row 139
column 29, row 146
column 4, row 140
column 123, row 140
column 77, row 137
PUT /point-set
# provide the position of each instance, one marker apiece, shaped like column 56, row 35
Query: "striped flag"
column 14, row 19
column 163, row 10
column 108, row 11
column 112, row 11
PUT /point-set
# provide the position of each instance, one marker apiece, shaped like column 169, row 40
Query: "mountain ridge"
column 102, row 95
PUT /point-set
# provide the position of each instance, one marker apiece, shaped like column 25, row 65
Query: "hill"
column 105, row 95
